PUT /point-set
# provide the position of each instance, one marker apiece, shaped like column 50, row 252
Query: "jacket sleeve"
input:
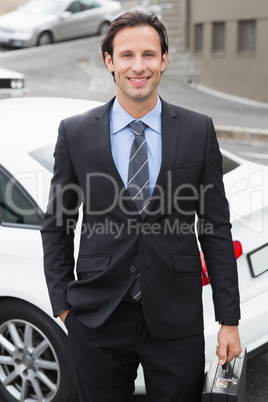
column 215, row 233
column 59, row 224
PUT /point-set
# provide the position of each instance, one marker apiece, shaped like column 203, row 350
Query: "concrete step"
column 182, row 65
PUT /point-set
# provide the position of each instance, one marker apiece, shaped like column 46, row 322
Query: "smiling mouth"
column 139, row 79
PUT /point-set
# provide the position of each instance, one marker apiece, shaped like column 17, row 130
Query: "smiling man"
column 143, row 170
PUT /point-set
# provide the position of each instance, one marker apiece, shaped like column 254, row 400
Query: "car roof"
column 29, row 123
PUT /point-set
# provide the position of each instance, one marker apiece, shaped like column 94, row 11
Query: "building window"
column 198, row 38
column 218, row 43
column 247, row 36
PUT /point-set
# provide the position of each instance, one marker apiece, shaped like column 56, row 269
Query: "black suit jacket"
column 114, row 241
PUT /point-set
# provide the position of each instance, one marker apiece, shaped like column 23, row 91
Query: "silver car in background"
column 41, row 22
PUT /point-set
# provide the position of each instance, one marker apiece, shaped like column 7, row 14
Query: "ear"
column 109, row 62
column 164, row 61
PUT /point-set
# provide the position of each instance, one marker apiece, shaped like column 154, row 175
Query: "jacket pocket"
column 187, row 264
column 89, row 266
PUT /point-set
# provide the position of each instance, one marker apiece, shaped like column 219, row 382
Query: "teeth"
column 138, row 79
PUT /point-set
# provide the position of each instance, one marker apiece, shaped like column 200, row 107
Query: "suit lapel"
column 170, row 139
column 101, row 132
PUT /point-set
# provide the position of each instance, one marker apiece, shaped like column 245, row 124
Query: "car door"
column 20, row 243
column 93, row 15
column 69, row 24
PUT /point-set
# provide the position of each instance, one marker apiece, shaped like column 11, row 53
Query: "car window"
column 44, row 156
column 16, row 206
column 74, row 7
column 89, row 4
column 228, row 164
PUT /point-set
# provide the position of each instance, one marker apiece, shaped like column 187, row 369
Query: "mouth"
column 139, row 80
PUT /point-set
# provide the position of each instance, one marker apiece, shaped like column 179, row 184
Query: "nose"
column 137, row 65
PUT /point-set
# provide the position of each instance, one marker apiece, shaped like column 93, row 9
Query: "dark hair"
column 132, row 19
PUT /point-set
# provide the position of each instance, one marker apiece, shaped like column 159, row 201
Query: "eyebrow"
column 143, row 51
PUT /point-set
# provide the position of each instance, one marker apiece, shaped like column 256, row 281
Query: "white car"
column 11, row 83
column 41, row 22
column 34, row 359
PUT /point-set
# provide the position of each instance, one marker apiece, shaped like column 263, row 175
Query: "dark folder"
column 226, row 383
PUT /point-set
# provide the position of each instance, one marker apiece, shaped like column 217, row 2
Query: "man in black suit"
column 137, row 297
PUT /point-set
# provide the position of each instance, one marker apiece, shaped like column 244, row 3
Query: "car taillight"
column 238, row 252
column 238, row 249
column 205, row 278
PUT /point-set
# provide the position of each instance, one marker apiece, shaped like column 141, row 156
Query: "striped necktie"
column 138, row 186
column 138, row 171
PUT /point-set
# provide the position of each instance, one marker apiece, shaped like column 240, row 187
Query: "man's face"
column 137, row 64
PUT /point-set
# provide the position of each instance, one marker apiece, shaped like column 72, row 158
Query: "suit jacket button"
column 133, row 269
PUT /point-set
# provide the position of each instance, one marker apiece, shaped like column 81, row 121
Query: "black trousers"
column 105, row 360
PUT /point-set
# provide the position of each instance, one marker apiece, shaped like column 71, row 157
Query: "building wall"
column 7, row 6
column 242, row 73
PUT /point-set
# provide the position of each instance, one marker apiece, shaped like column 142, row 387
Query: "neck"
column 137, row 108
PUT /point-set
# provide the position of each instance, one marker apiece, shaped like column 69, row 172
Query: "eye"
column 126, row 55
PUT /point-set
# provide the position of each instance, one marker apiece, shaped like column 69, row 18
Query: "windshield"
column 228, row 164
column 44, row 156
column 43, row 6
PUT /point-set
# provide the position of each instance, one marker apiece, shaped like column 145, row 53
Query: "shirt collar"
column 120, row 118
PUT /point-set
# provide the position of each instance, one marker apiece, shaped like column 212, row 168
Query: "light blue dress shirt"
column 122, row 138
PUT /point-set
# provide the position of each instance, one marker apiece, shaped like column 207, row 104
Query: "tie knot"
column 138, row 127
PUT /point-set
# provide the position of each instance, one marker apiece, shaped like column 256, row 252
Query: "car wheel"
column 34, row 358
column 103, row 28
column 45, row 38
